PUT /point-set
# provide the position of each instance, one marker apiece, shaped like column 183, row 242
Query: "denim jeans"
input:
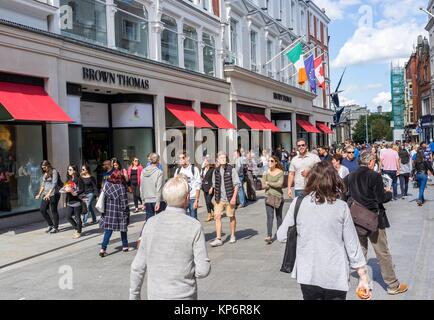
column 394, row 177
column 190, row 210
column 285, row 165
column 298, row 193
column 241, row 193
column 403, row 182
column 422, row 179
column 107, row 236
column 89, row 207
column 150, row 209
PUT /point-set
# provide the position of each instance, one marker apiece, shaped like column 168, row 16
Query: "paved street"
column 32, row 262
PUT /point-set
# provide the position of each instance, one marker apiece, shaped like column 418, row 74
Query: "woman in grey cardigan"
column 151, row 184
column 327, row 242
column 172, row 251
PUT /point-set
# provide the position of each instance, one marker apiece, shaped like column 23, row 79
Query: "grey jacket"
column 151, row 184
column 173, row 253
column 327, row 244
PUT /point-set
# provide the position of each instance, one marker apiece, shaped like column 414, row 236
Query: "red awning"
column 324, row 128
column 267, row 124
column 251, row 121
column 29, row 103
column 217, row 118
column 187, row 115
column 306, row 125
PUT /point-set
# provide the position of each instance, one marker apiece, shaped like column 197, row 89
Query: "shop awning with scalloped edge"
column 217, row 118
column 324, row 128
column 257, row 121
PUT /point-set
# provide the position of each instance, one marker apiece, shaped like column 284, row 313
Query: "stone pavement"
column 32, row 263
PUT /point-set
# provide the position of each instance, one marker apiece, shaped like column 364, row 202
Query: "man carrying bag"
column 366, row 195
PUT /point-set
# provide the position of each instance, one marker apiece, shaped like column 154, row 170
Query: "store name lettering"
column 281, row 97
column 113, row 78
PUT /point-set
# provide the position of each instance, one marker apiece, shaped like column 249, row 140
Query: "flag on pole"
column 319, row 72
column 295, row 55
column 310, row 71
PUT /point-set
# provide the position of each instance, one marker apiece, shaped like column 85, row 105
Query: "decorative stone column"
column 200, row 47
column 181, row 38
column 111, row 10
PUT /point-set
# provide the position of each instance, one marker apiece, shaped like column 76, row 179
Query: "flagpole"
column 276, row 56
column 290, row 64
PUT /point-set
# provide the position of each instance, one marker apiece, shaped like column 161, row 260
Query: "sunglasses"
column 301, row 145
column 83, row 169
column 350, row 151
column 271, row 160
column 70, row 169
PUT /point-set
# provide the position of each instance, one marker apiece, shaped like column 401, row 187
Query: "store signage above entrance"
column 282, row 97
column 122, row 80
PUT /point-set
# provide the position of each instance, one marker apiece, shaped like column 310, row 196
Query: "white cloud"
column 344, row 101
column 378, row 44
column 383, row 99
column 366, row 87
column 335, row 9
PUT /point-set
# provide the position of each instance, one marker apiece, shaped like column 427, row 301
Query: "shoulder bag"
column 365, row 220
column 291, row 242
column 100, row 204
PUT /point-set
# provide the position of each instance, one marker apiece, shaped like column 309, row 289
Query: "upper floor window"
column 234, row 40
column 169, row 40
column 131, row 28
column 190, row 48
column 293, row 16
column 270, row 66
column 253, row 50
column 208, row 54
column 84, row 19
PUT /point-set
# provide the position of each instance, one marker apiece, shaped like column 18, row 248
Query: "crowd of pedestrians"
column 329, row 186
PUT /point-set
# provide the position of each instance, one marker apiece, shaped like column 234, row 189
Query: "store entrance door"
column 96, row 149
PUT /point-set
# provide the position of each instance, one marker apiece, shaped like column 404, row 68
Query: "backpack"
column 179, row 168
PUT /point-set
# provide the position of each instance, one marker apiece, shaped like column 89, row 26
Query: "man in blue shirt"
column 350, row 162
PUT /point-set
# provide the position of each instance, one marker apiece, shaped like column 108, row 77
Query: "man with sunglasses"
column 300, row 167
column 350, row 161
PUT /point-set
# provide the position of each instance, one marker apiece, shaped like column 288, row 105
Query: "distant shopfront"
column 25, row 108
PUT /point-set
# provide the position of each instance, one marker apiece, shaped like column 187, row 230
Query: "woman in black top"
column 206, row 176
column 90, row 192
column 420, row 169
column 74, row 187
column 134, row 173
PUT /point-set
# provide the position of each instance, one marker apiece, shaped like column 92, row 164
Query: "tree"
column 378, row 125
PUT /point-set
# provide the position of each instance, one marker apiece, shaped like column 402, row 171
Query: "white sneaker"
column 216, row 242
column 233, row 239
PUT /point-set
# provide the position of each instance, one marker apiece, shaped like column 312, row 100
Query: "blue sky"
column 366, row 36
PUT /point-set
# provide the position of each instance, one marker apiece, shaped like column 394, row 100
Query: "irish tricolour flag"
column 296, row 58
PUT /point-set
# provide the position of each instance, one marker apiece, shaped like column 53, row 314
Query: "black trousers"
column 136, row 195
column 208, row 201
column 270, row 217
column 52, row 204
column 403, row 182
column 72, row 212
column 318, row 293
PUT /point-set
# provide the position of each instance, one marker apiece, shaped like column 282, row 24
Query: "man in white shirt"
column 192, row 175
column 300, row 167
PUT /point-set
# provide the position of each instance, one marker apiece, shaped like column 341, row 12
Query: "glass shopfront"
column 21, row 153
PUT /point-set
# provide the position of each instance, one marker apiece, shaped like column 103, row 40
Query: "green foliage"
column 378, row 125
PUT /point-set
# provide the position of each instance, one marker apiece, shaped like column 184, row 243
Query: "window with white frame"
column 425, row 107
column 234, row 40
column 190, row 48
column 302, row 23
column 169, row 40
column 254, row 51
column 208, row 54
column 270, row 66
column 131, row 28
column 293, row 15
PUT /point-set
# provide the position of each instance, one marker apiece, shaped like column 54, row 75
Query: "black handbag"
column 291, row 242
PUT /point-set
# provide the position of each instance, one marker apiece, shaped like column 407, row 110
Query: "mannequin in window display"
column 5, row 191
column 23, row 181
column 35, row 177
